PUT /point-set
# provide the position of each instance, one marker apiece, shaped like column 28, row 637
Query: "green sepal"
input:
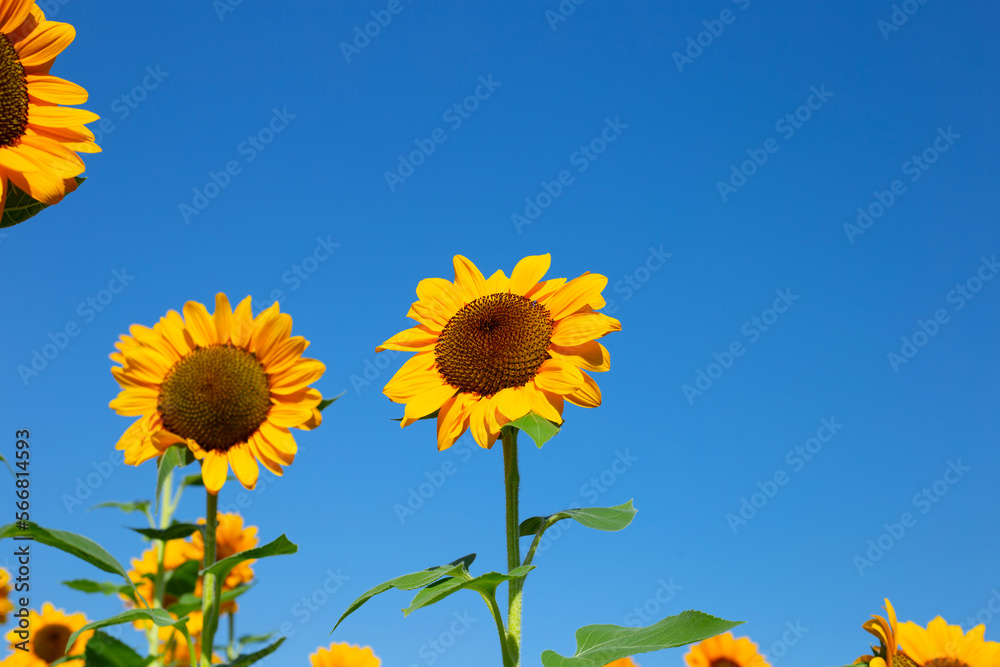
column 327, row 402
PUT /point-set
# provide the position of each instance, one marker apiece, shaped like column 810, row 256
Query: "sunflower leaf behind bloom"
column 598, row 645
column 536, row 427
column 103, row 649
column 20, row 206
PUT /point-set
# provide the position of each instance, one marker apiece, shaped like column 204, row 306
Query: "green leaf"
column 128, row 508
column 160, row 617
column 245, row 660
column 105, row 587
column 177, row 531
column 597, row 645
column 189, row 602
column 538, row 428
column 170, row 459
column 76, row 545
column 412, row 581
column 254, row 639
column 20, row 206
column 327, row 402
column 278, row 547
column 193, row 480
column 484, row 583
column 183, row 580
column 103, row 650
column 600, row 518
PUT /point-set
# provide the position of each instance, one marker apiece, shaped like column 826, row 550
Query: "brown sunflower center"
column 13, row 94
column 218, row 396
column 723, row 662
column 495, row 342
column 50, row 642
column 945, row 662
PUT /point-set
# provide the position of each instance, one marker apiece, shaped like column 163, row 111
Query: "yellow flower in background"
column 39, row 139
column 887, row 654
column 622, row 662
column 144, row 571
column 489, row 351
column 50, row 630
column 725, row 651
column 5, row 605
column 943, row 645
column 227, row 385
column 230, row 538
column 344, row 655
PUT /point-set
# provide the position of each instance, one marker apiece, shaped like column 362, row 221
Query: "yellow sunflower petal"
column 582, row 327
column 440, row 296
column 546, row 405
column 418, row 339
column 214, row 467
column 55, row 116
column 497, row 283
column 242, row 326
column 469, row 279
column 587, row 396
column 529, row 272
column 263, row 452
column 222, row 319
column 576, row 294
column 559, row 377
column 135, row 402
column 426, row 402
column 289, row 416
column 244, row 465
column 13, row 14
column 303, row 372
column 453, row 419
column 513, row 403
column 590, row 356
column 199, row 325
column 43, row 44
column 54, row 90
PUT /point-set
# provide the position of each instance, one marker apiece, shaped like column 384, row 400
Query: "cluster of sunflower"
column 495, row 356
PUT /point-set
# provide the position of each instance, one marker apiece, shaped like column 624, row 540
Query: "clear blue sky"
column 201, row 88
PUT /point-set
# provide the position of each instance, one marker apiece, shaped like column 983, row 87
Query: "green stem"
column 538, row 538
column 512, row 481
column 210, row 586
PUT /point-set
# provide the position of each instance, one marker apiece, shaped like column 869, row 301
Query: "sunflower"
column 230, row 538
column 50, row 631
column 344, row 655
column 175, row 646
column 39, row 140
column 144, row 571
column 622, row 662
column 5, row 605
column 887, row 654
column 725, row 651
column 490, row 351
column 227, row 385
column 943, row 645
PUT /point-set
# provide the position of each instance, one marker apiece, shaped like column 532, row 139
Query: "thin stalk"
column 512, row 482
column 210, row 586
column 231, row 649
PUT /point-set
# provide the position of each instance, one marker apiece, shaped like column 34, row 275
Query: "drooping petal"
column 214, row 467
